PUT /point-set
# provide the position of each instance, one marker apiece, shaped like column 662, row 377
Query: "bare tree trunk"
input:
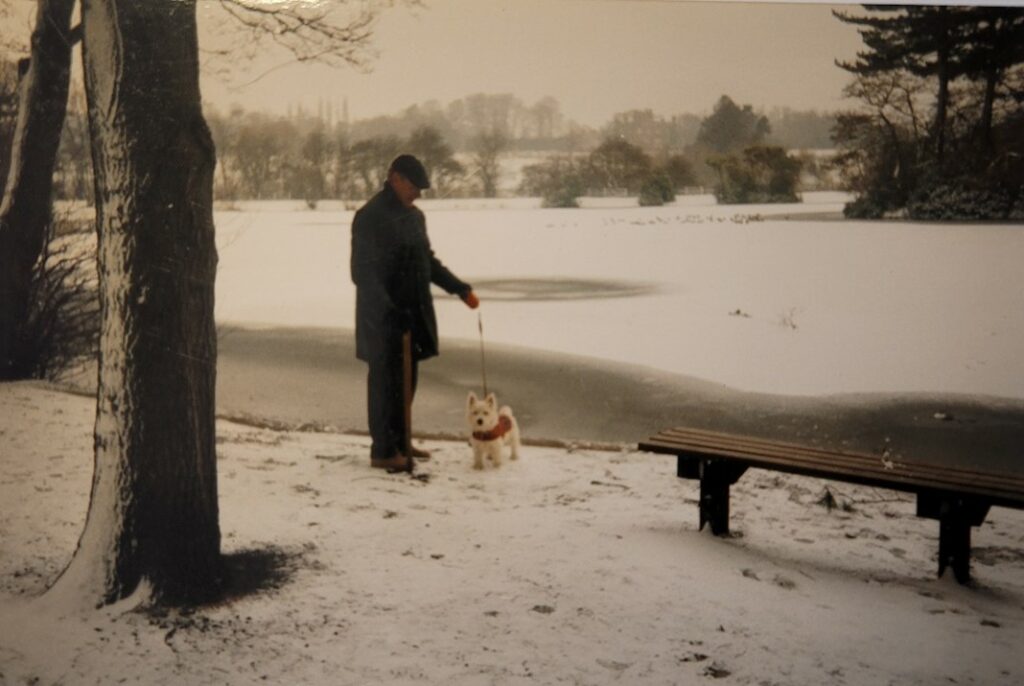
column 992, row 76
column 26, row 208
column 941, row 105
column 488, row 148
column 153, row 515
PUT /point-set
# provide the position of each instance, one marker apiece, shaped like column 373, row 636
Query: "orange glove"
column 471, row 300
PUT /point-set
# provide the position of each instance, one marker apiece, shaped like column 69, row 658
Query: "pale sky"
column 596, row 57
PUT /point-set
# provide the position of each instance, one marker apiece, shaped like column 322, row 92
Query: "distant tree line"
column 729, row 152
column 615, row 167
column 540, row 126
column 262, row 157
column 940, row 132
column 321, row 154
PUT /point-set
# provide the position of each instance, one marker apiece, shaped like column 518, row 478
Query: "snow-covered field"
column 568, row 567
column 732, row 294
column 561, row 568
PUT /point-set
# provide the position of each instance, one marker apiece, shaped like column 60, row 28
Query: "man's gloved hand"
column 469, row 297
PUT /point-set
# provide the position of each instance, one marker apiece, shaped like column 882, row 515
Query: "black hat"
column 412, row 169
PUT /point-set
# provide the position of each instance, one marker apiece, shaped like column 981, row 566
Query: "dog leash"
column 483, row 363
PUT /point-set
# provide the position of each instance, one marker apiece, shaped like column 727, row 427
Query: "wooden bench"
column 958, row 497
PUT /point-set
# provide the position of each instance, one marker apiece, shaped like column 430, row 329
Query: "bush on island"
column 760, row 174
column 959, row 201
column 656, row 191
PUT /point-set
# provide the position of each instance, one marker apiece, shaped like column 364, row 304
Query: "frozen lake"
column 754, row 297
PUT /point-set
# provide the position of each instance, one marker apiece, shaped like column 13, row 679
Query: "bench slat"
column 699, row 436
column 866, row 469
column 698, row 440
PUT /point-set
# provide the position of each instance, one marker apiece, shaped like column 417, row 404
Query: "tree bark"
column 941, row 103
column 153, row 514
column 26, row 208
column 992, row 77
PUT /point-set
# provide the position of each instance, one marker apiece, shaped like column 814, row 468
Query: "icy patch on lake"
column 733, row 294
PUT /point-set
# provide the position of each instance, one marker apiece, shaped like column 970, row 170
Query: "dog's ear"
column 470, row 399
column 492, row 400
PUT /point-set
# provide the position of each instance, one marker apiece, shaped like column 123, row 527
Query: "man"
column 393, row 267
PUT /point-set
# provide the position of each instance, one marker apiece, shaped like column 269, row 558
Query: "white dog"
column 491, row 430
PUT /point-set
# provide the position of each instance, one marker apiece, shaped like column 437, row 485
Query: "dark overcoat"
column 393, row 266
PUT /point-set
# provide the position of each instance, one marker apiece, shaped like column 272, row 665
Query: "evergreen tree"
column 994, row 45
column 617, row 166
column 966, row 158
column 731, row 127
column 922, row 40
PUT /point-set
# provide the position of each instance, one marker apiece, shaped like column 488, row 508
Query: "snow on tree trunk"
column 153, row 519
column 25, row 212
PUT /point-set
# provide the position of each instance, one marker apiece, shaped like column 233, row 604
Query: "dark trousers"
column 385, row 405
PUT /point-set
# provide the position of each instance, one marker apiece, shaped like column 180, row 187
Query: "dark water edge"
column 305, row 376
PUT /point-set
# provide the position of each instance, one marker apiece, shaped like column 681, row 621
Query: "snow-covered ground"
column 568, row 567
column 732, row 294
column 560, row 568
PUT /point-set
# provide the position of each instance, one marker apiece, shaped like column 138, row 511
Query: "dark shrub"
column 960, row 202
column 761, row 174
column 616, row 167
column 557, row 181
column 656, row 190
column 680, row 171
column 62, row 326
column 863, row 208
column 563, row 192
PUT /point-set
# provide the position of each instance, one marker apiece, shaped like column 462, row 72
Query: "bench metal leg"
column 714, row 499
column 716, row 477
column 956, row 513
column 955, row 547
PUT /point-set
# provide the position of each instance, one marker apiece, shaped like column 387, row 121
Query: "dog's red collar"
column 503, row 427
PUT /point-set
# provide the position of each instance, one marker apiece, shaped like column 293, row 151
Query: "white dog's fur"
column 484, row 416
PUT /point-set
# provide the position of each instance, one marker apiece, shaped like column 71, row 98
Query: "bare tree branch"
column 332, row 32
